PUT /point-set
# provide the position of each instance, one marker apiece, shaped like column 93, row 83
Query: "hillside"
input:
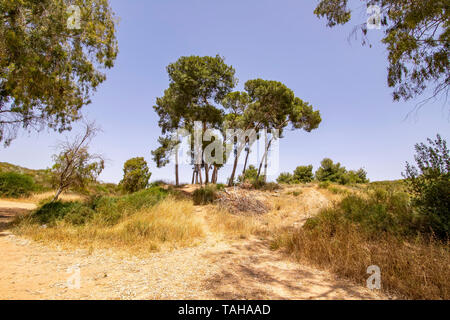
column 41, row 177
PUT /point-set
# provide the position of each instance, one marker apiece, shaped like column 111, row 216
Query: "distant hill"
column 41, row 177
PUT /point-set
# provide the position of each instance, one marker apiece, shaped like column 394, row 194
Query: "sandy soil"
column 216, row 269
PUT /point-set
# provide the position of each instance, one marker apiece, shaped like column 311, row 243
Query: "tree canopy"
column 136, row 175
column 48, row 69
column 417, row 39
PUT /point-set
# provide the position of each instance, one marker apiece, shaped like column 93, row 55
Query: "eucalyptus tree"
column 416, row 34
column 51, row 60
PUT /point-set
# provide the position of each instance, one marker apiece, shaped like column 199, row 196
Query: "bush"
column 324, row 184
column 135, row 175
column 104, row 210
column 250, row 174
column 204, row 195
column 110, row 210
column 75, row 213
column 14, row 185
column 375, row 213
column 379, row 228
column 430, row 185
column 285, row 177
column 329, row 171
column 303, row 174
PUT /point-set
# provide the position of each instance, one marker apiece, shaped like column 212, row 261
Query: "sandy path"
column 244, row 269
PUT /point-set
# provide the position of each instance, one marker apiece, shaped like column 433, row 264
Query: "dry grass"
column 43, row 196
column 233, row 226
column 169, row 224
column 417, row 270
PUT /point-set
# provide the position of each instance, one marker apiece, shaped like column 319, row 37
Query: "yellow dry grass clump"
column 412, row 270
column 171, row 223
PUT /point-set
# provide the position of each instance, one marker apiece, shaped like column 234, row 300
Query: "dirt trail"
column 241, row 269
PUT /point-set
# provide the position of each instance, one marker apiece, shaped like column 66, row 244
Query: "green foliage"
column 376, row 213
column 110, row 210
column 429, row 183
column 359, row 176
column 99, row 209
column 204, row 195
column 75, row 167
column 285, row 177
column 14, row 185
column 324, row 184
column 303, row 174
column 274, row 106
column 42, row 178
column 75, row 213
column 48, row 71
column 220, row 186
column 250, row 174
column 417, row 40
column 329, row 171
column 135, row 175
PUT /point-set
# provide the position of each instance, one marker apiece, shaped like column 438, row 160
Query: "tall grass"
column 141, row 222
column 379, row 229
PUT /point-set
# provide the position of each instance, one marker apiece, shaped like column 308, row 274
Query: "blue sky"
column 276, row 40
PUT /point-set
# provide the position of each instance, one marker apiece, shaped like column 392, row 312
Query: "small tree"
column 250, row 175
column 285, row 177
column 359, row 176
column 135, row 175
column 74, row 165
column 430, row 184
column 329, row 171
column 303, row 174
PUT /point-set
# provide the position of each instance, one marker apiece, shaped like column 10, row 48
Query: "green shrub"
column 250, row 174
column 14, row 185
column 220, row 186
column 75, row 213
column 136, row 175
column 111, row 209
column 376, row 213
column 324, row 184
column 102, row 209
column 204, row 195
column 354, row 177
column 429, row 185
column 303, row 174
column 330, row 171
column 337, row 190
column 285, row 177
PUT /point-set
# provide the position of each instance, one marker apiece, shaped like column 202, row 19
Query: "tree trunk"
column 246, row 160
column 206, row 173
column 214, row 175
column 177, row 182
column 193, row 176
column 231, row 181
column 199, row 173
column 264, row 159
column 58, row 193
